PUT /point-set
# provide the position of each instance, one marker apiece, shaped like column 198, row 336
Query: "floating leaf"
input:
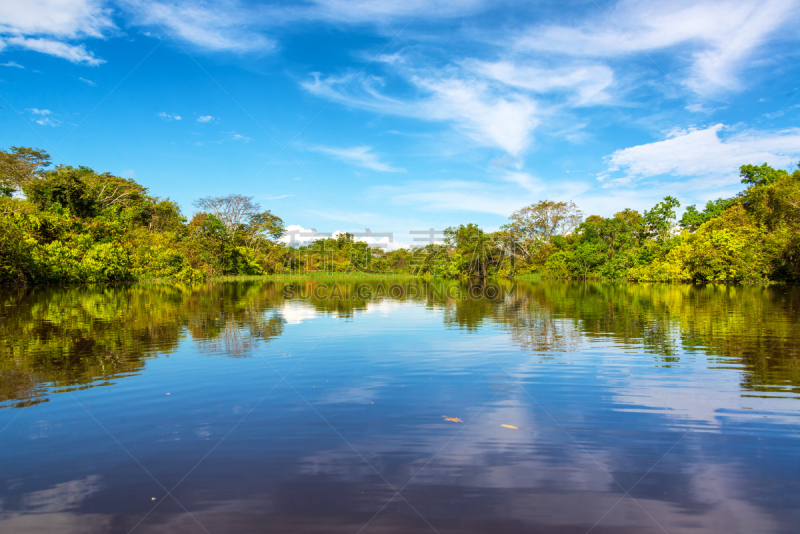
column 510, row 426
column 453, row 419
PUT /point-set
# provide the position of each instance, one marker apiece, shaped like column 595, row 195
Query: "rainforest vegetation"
column 63, row 224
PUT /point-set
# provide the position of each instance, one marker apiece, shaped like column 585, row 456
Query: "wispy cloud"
column 588, row 83
column 525, row 181
column 377, row 10
column 699, row 108
column 168, row 117
column 87, row 82
column 503, row 119
column 230, row 27
column 718, row 35
column 72, row 53
column 278, row 197
column 239, row 137
column 12, row 64
column 360, row 156
column 45, row 117
column 205, row 118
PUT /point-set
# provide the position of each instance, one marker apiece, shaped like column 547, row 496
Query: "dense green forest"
column 63, row 224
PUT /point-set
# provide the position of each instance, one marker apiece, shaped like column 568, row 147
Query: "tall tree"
column 538, row 223
column 475, row 251
column 661, row 219
column 263, row 227
column 234, row 211
column 760, row 175
column 19, row 166
column 692, row 218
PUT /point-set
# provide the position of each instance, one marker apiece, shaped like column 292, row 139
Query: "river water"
column 358, row 406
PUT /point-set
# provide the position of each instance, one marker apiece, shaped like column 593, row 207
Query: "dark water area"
column 400, row 406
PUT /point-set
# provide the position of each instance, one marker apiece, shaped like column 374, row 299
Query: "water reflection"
column 303, row 406
column 80, row 336
column 75, row 337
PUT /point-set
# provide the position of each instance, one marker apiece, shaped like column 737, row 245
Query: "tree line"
column 64, row 224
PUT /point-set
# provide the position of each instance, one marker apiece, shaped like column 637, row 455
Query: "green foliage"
column 557, row 265
column 659, row 221
column 475, row 253
column 586, row 256
column 17, row 265
column 763, row 175
column 75, row 225
column 64, row 189
column 19, row 166
column 105, row 262
column 751, row 238
column 692, row 218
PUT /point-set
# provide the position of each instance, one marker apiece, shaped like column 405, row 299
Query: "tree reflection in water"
column 57, row 339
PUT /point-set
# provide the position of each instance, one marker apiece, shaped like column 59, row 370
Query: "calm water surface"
column 400, row 406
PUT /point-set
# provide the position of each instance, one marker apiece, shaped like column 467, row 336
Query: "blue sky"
column 406, row 115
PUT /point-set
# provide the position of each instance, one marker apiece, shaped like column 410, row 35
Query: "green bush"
column 105, row 262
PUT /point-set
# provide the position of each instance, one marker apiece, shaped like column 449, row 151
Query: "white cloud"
column 780, row 112
column 278, row 197
column 224, row 27
column 703, row 156
column 525, row 181
column 44, row 25
column 45, row 117
column 360, row 156
column 168, row 117
column 503, row 119
column 55, row 18
column 72, row 53
column 87, row 82
column 228, row 25
column 232, row 25
column 239, row 137
column 719, row 35
column 587, row 81
column 205, row 118
column 359, row 11
column 12, row 63
column 296, row 236
column 699, row 108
